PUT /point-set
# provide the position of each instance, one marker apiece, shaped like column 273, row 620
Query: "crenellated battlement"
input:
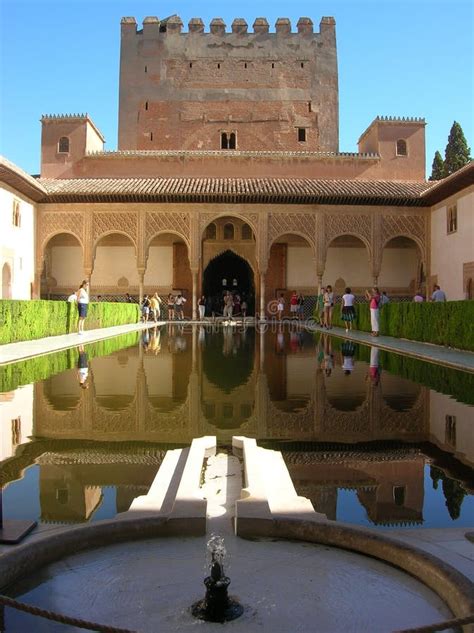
column 66, row 117
column 152, row 25
column 400, row 119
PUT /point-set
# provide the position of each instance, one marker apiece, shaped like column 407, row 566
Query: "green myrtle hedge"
column 42, row 367
column 28, row 320
column 449, row 323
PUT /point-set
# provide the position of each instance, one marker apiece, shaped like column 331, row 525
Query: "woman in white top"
column 348, row 311
column 328, row 298
column 82, row 304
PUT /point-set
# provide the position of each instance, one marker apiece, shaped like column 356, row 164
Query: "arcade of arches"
column 207, row 249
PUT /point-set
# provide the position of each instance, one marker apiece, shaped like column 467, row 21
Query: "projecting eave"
column 235, row 190
column 441, row 189
column 17, row 179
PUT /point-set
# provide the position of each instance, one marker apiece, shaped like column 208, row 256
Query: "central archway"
column 229, row 272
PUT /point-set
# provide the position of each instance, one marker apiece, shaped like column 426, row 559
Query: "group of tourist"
column 151, row 308
column 326, row 301
column 233, row 305
column 230, row 305
column 438, row 296
column 296, row 306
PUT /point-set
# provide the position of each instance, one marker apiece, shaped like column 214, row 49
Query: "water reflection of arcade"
column 188, row 385
column 138, row 395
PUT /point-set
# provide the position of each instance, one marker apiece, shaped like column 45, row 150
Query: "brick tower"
column 220, row 90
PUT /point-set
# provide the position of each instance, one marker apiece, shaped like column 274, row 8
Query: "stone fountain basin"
column 150, row 585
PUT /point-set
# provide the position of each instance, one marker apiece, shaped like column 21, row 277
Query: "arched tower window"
column 402, row 148
column 211, row 232
column 246, row 232
column 63, row 145
column 232, row 141
column 228, row 231
column 224, row 141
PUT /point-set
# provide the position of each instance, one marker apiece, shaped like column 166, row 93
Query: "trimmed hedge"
column 42, row 367
column 28, row 320
column 449, row 323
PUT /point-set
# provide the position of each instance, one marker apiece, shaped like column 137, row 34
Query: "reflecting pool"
column 371, row 438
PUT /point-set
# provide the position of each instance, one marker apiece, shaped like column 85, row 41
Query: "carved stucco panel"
column 173, row 222
column 412, row 226
column 300, row 223
column 54, row 223
column 343, row 224
column 104, row 223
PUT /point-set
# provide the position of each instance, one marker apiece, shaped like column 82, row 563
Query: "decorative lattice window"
column 246, row 232
column 228, row 231
column 211, row 232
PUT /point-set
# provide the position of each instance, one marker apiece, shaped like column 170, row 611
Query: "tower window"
column 228, row 140
column 452, row 219
column 302, row 64
column 218, row 65
column 146, row 69
column 245, row 65
column 273, row 64
column 63, row 145
column 402, row 148
column 302, row 134
column 151, row 136
column 146, row 105
column 190, row 64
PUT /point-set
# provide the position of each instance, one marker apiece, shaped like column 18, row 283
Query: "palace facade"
column 228, row 175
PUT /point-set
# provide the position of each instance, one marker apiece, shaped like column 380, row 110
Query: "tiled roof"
column 244, row 190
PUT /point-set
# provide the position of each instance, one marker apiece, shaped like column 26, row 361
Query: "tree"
column 457, row 152
column 437, row 169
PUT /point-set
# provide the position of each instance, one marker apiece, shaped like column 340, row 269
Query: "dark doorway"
column 228, row 272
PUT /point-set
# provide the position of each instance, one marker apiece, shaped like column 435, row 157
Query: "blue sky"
column 396, row 57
